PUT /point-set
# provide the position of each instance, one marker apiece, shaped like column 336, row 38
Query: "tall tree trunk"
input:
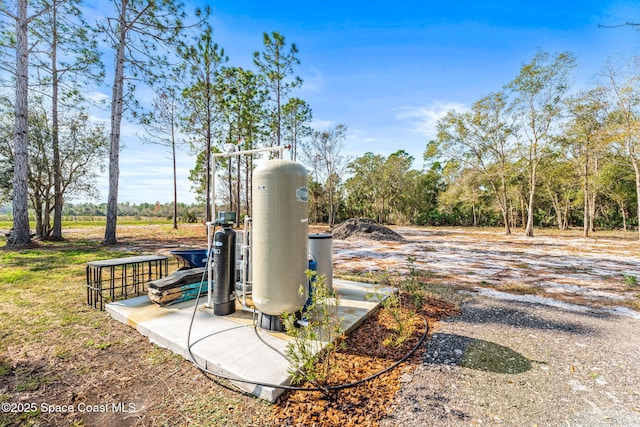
column 47, row 217
column 37, row 210
column 208, row 137
column 565, row 213
column 230, row 179
column 238, row 182
column 592, row 211
column 21, row 235
column 587, row 212
column 558, row 209
column 250, row 173
column 175, row 179
column 594, row 196
column 279, row 113
column 636, row 169
column 529, row 229
column 503, row 202
column 624, row 214
column 57, row 167
column 117, row 102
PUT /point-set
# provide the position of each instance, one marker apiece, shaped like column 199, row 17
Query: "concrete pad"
column 229, row 344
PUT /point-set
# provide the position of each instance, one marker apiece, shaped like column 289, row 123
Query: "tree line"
column 532, row 153
column 51, row 151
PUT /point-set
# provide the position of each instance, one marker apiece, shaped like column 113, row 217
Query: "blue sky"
column 389, row 70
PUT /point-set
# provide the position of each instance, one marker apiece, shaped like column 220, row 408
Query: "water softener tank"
column 280, row 238
column 224, row 259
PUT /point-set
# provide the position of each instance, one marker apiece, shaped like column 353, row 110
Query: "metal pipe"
column 209, row 265
column 214, row 156
column 246, row 258
column 279, row 148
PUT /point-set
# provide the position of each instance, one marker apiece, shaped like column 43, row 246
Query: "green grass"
column 97, row 222
column 43, row 289
column 51, row 338
column 28, row 380
column 630, row 280
column 5, row 368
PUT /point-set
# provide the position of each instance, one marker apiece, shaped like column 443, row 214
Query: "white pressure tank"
column 321, row 249
column 280, row 236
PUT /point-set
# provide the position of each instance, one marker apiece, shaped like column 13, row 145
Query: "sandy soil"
column 548, row 337
column 586, row 271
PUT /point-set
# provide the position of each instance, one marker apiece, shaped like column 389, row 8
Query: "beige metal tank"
column 280, row 236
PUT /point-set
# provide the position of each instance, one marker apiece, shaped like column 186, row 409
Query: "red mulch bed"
column 365, row 355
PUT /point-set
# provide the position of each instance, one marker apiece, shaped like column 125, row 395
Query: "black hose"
column 325, row 389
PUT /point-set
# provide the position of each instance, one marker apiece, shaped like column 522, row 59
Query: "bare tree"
column 323, row 153
column 161, row 126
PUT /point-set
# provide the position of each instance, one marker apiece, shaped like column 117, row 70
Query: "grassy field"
column 96, row 222
column 57, row 350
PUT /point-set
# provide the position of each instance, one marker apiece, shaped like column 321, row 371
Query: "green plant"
column 28, row 380
column 412, row 284
column 96, row 345
column 402, row 314
column 630, row 280
column 317, row 336
column 403, row 320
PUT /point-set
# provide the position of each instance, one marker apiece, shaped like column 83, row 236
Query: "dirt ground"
column 512, row 363
column 547, row 336
column 565, row 267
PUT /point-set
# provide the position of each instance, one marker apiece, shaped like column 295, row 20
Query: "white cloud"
column 423, row 119
column 97, row 97
column 322, row 124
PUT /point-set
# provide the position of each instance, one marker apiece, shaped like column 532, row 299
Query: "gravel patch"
column 513, row 363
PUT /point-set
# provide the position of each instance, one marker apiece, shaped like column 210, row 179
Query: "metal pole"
column 209, row 265
column 210, row 228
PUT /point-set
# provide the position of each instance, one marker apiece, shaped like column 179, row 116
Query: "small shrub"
column 401, row 306
column 630, row 280
column 320, row 326
column 403, row 320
